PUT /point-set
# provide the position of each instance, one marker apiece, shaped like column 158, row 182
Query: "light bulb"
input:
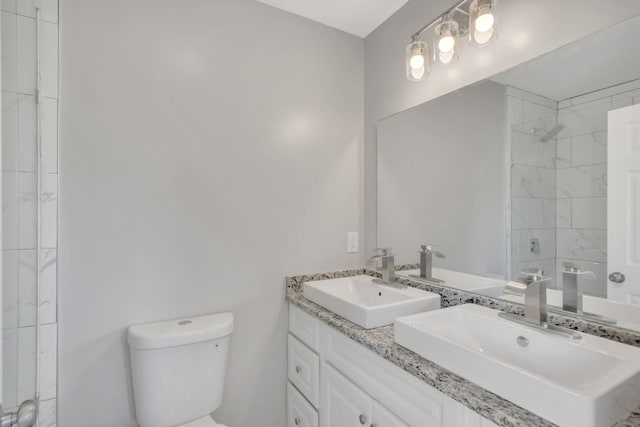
column 446, row 57
column 482, row 37
column 485, row 19
column 417, row 73
column 446, row 43
column 417, row 61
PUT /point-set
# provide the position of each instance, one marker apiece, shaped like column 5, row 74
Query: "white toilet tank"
column 178, row 368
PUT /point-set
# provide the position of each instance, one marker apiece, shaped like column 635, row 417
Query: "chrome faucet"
column 426, row 263
column 388, row 264
column 572, row 286
column 534, row 288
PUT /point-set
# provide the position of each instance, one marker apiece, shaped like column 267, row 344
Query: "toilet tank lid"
column 171, row 333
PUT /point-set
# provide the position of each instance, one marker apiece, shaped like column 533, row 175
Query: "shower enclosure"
column 29, row 43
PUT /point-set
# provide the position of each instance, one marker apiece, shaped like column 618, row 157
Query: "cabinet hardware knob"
column 617, row 277
column 362, row 419
column 298, row 369
column 297, row 421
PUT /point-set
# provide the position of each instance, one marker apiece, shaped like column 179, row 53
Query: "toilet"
column 178, row 370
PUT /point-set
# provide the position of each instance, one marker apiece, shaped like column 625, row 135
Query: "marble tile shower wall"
column 533, row 198
column 581, row 178
column 19, row 163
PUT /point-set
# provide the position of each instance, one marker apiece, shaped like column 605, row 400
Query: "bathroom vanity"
column 341, row 374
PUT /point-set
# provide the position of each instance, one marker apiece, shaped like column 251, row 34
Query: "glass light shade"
column 482, row 22
column 446, row 42
column 417, row 60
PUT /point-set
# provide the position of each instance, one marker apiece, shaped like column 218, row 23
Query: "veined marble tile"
column 47, row 416
column 531, row 97
column 9, row 28
column 10, row 363
column 27, row 302
column 550, row 153
column 589, row 212
column 49, row 10
column 563, row 153
column 26, row 363
column 563, row 213
column 49, row 135
column 589, row 149
column 582, row 181
column 10, row 289
column 590, row 245
column 607, row 92
column 520, row 245
column 537, row 119
column 9, row 131
column 532, row 213
column 621, row 101
column 564, row 104
column 527, row 150
column 27, row 141
column 49, row 213
column 26, row 54
column 596, row 287
column 9, row 5
column 10, row 211
column 585, row 118
column 529, row 181
column 49, row 59
column 27, row 8
column 28, row 209
column 48, row 286
column 48, row 360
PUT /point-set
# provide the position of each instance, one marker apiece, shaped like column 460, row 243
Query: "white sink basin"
column 589, row 382
column 366, row 303
column 462, row 281
column 627, row 315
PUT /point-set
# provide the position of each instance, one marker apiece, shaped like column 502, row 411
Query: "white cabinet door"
column 381, row 417
column 300, row 413
column 342, row 403
column 623, row 241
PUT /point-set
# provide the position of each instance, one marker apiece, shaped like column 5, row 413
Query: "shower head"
column 552, row 133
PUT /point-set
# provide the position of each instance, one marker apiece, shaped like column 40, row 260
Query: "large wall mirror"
column 512, row 172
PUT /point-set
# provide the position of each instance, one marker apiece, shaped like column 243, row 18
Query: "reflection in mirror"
column 512, row 172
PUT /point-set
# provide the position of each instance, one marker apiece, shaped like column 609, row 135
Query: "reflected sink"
column 590, row 382
column 462, row 281
column 366, row 303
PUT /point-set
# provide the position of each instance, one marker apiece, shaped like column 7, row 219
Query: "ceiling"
column 358, row 17
column 600, row 60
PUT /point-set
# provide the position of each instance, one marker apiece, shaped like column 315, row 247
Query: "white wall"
column 441, row 180
column 208, row 149
column 527, row 29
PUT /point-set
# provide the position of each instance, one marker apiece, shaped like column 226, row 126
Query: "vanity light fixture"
column 417, row 59
column 473, row 18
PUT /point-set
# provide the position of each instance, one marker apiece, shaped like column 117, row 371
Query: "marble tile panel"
column 49, row 135
column 10, row 210
column 27, row 299
column 10, row 363
column 589, row 212
column 9, row 48
column 26, row 54
column 28, row 133
column 26, row 363
column 589, row 245
column 47, row 415
column 606, row 92
column 27, row 8
column 48, row 286
column 527, row 150
column 532, row 213
column 563, row 213
column 514, row 110
column 582, row 181
column 563, row 153
column 49, row 10
column 585, row 118
column 28, row 209
column 531, row 97
column 10, row 289
column 9, row 131
column 49, row 59
column 521, row 240
column 9, row 5
column 537, row 119
column 49, row 213
column 48, row 360
column 589, row 149
column 529, row 181
column 621, row 102
column 564, row 104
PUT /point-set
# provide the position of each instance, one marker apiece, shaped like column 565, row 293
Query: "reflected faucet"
column 572, row 286
column 388, row 264
column 426, row 263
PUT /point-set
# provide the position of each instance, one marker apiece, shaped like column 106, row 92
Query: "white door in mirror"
column 623, row 235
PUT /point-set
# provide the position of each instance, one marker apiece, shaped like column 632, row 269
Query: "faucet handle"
column 430, row 248
column 576, row 268
column 382, row 251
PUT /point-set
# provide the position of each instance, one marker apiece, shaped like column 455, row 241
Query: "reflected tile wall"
column 19, row 205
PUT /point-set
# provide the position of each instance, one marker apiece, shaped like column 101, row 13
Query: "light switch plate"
column 352, row 242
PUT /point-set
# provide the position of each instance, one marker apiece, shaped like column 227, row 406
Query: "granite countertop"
column 380, row 340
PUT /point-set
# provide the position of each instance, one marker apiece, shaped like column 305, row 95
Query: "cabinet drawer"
column 304, row 326
column 300, row 413
column 304, row 370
